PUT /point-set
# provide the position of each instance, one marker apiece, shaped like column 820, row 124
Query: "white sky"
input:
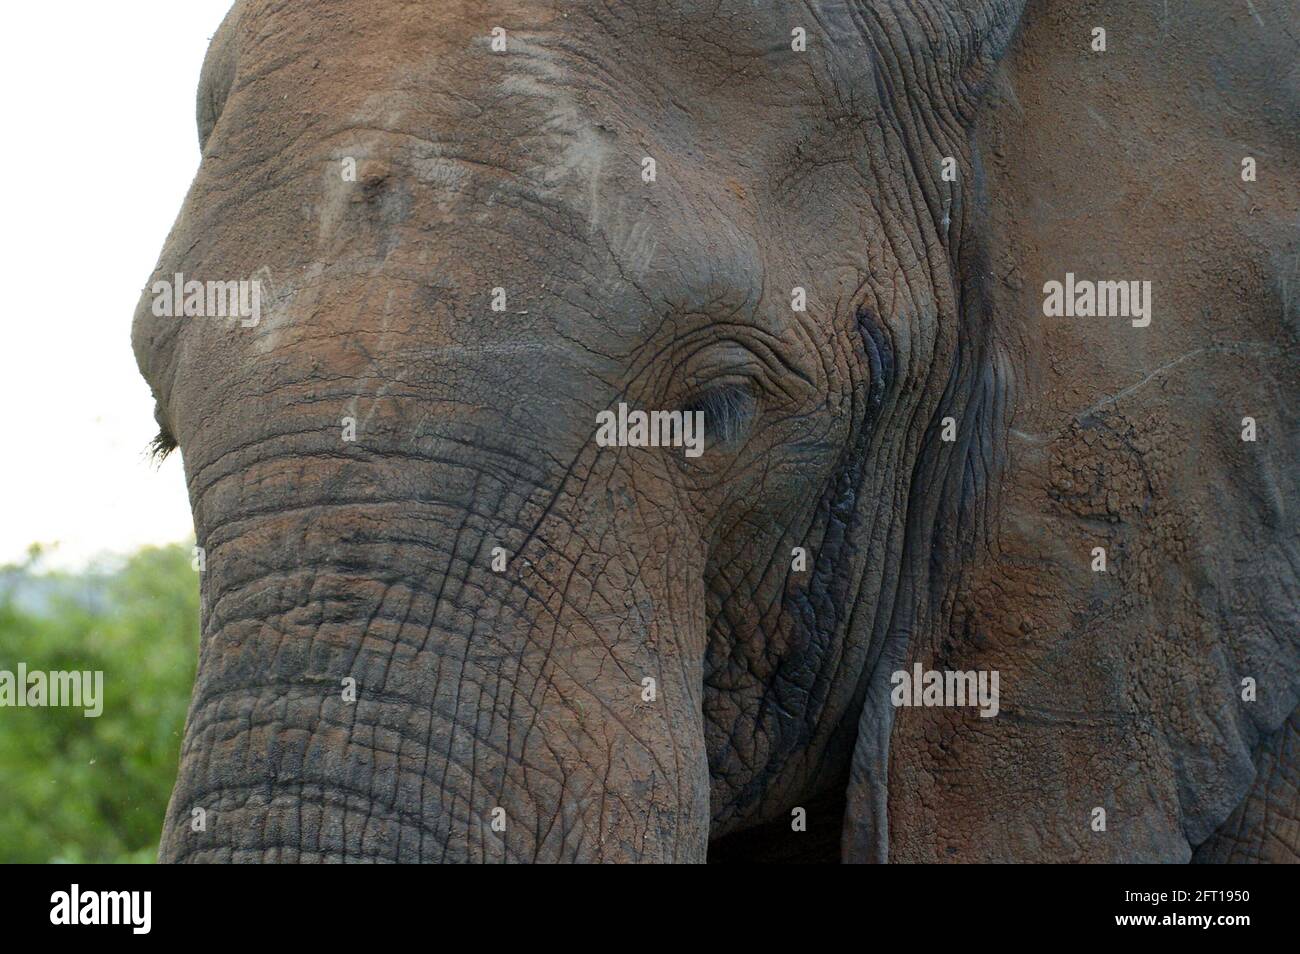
column 98, row 149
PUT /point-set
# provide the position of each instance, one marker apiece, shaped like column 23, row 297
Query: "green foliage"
column 77, row 789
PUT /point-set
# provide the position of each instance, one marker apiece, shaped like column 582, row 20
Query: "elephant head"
column 442, row 620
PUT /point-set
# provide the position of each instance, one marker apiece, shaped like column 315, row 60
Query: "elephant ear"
column 1139, row 696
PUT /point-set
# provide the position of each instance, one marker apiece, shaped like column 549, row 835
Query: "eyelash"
column 161, row 446
column 728, row 411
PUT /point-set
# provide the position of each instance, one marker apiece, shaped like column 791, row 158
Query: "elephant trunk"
column 406, row 657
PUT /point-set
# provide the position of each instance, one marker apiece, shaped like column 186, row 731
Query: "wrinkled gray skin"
column 524, row 690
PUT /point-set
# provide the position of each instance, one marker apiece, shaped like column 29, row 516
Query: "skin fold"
column 518, row 694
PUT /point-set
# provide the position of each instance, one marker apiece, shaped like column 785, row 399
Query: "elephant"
column 988, row 309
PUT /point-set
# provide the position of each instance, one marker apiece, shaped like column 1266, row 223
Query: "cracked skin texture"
column 522, row 690
column 1122, row 690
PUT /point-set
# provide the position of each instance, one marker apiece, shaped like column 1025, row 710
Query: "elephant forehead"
column 503, row 168
column 727, row 80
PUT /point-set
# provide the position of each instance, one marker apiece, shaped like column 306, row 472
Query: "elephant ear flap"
column 1136, row 589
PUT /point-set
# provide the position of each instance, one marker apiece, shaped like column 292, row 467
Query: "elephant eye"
column 728, row 412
